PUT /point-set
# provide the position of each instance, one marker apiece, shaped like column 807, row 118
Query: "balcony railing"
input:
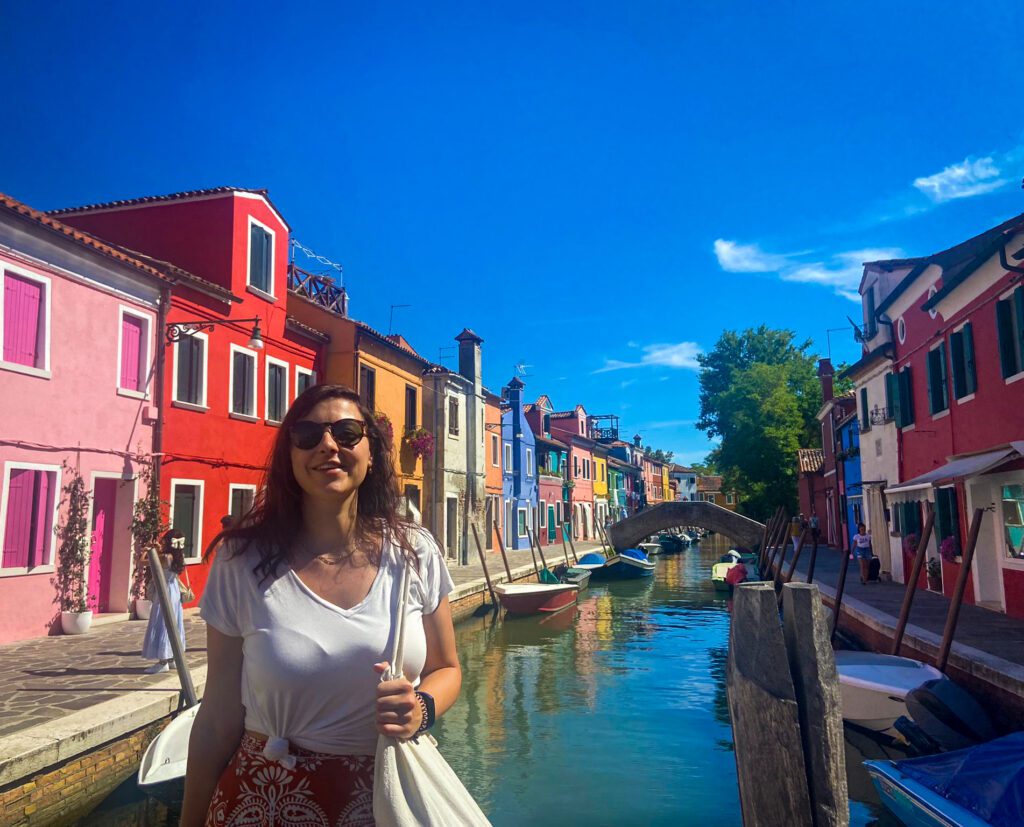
column 321, row 290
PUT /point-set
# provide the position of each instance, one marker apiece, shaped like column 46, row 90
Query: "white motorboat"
column 162, row 772
column 874, row 688
column 650, row 548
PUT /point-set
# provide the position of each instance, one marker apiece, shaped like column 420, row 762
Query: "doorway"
column 451, row 532
column 551, row 524
column 987, row 566
column 110, row 560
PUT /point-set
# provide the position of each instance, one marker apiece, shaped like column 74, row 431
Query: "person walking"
column 815, row 528
column 862, row 551
column 156, row 644
column 300, row 607
column 795, row 528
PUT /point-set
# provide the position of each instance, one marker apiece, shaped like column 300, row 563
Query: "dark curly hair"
column 275, row 519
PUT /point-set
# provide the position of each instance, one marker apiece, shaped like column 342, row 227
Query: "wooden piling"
column 796, row 555
column 572, row 545
column 769, row 533
column 958, row 591
column 483, row 565
column 915, row 574
column 501, row 548
column 777, row 577
column 156, row 571
column 765, row 718
column 565, row 548
column 777, row 544
column 814, row 559
column 844, row 565
column 532, row 535
column 812, row 665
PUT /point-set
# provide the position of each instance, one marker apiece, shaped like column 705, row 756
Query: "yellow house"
column 385, row 370
column 666, row 491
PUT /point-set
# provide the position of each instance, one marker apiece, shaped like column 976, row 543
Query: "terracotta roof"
column 402, row 342
column 562, row 414
column 156, row 199
column 109, row 250
column 176, row 274
column 681, row 469
column 388, row 340
column 305, row 329
column 810, row 460
column 709, row 483
column 550, row 441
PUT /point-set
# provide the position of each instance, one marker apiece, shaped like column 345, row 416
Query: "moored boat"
column 591, row 561
column 579, row 577
column 535, row 598
column 162, row 771
column 650, row 548
column 629, row 564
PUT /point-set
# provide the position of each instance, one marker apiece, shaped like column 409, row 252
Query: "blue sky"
column 597, row 189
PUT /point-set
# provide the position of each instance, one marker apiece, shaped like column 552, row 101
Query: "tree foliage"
column 659, row 454
column 759, row 394
column 75, row 545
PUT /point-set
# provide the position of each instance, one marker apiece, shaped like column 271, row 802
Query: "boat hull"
column 535, row 598
column 913, row 803
column 874, row 687
column 162, row 771
column 625, row 568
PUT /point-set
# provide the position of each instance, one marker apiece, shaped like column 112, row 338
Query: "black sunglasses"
column 346, row 433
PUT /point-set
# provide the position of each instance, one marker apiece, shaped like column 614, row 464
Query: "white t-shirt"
column 307, row 670
column 862, row 540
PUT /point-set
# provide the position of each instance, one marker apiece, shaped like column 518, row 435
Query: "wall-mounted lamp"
column 176, row 330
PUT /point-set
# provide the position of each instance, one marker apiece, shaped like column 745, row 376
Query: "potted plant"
column 934, row 569
column 420, row 442
column 386, row 428
column 73, row 557
column 147, row 526
column 949, row 549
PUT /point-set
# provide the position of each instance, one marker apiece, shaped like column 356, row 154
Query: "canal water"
column 611, row 713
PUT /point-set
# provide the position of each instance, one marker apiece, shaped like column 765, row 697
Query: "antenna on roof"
column 521, row 370
column 453, row 351
column 391, row 316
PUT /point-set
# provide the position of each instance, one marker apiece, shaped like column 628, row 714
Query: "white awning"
column 958, row 468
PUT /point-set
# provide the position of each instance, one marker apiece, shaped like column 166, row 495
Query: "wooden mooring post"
column 483, row 565
column 501, row 548
column 784, row 703
column 769, row 533
column 911, row 586
column 188, row 691
column 958, row 591
column 572, row 545
column 778, row 547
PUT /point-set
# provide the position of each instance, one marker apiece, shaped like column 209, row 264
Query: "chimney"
column 825, row 374
column 469, row 358
column 637, row 439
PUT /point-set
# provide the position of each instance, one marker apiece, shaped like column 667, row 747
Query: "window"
column 1010, row 321
column 304, row 378
column 529, row 462
column 1013, row 520
column 26, row 322
column 899, row 391
column 961, row 355
column 547, row 424
column 521, row 522
column 508, row 457
column 261, row 258
column 411, row 408
column 938, row 392
column 453, row 416
column 558, row 512
column 133, row 353
column 243, row 382
column 368, row 387
column 495, row 452
column 865, row 414
column 187, row 514
column 190, row 370
column 870, row 325
column 575, row 466
column 241, row 499
column 31, row 497
column 277, row 389
column 730, row 499
column 947, row 514
column 586, row 469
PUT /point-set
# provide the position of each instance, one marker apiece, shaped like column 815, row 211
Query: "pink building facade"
column 78, row 326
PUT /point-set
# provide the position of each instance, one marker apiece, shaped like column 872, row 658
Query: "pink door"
column 104, row 499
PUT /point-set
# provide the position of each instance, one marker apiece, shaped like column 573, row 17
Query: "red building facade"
column 571, row 428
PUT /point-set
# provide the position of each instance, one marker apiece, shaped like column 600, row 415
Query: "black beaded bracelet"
column 427, row 709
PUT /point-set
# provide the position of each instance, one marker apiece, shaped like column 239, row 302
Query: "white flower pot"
column 142, row 608
column 75, row 623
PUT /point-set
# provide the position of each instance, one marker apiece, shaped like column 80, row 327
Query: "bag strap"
column 398, row 650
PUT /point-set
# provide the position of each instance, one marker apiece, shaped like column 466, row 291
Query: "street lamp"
column 176, row 330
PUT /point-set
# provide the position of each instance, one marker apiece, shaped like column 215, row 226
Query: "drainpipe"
column 158, row 391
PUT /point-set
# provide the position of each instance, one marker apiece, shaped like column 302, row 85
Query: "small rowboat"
column 162, row 772
column 630, row 564
column 591, row 561
column 535, row 598
column 570, row 574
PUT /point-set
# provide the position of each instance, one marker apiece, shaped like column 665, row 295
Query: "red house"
column 956, row 392
column 552, row 461
column 234, row 360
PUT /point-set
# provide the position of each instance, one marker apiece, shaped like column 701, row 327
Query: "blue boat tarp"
column 592, row 559
column 635, row 553
column 987, row 780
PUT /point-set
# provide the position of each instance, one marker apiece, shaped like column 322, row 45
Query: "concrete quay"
column 76, row 713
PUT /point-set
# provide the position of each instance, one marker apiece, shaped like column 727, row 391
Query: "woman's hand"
column 399, row 714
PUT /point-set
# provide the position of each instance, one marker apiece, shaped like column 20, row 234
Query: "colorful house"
column 631, row 457
column 553, row 490
column 833, row 411
column 518, row 470
column 851, row 499
column 235, row 360
column 601, row 504
column 618, row 499
column 571, row 427
column 811, row 483
column 80, row 334
column 685, row 480
column 493, row 482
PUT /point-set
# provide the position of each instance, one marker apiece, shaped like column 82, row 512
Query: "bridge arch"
column 632, row 530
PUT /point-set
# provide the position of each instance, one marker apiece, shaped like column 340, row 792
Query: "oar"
column 487, row 574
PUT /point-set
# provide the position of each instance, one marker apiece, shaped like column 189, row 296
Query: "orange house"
column 492, row 466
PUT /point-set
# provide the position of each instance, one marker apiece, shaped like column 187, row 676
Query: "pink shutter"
column 43, row 519
column 23, row 301
column 131, row 351
column 18, row 528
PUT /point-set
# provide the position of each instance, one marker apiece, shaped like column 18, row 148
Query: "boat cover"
column 592, row 559
column 987, row 780
column 635, row 553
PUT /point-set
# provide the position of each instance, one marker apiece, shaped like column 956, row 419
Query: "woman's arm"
column 218, row 725
column 398, row 710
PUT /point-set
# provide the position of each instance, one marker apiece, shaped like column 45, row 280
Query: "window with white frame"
column 543, row 513
column 31, row 496
column 521, row 524
column 277, row 389
column 133, row 352
column 453, row 416
column 243, row 381
column 190, row 359
column 261, row 257
column 240, row 501
column 304, row 378
column 187, row 514
column 508, row 458
column 529, row 462
column 25, row 322
column 558, row 512
column 495, row 452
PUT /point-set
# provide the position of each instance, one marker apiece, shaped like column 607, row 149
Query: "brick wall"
column 61, row 794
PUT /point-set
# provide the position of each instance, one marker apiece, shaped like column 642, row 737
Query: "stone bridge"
column 742, row 530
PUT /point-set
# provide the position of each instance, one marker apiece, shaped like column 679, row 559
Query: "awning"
column 958, row 468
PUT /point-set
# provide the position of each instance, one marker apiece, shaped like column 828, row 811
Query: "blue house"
column 848, row 457
column 518, row 469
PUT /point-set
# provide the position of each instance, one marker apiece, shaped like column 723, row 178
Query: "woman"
column 156, row 645
column 862, row 551
column 300, row 605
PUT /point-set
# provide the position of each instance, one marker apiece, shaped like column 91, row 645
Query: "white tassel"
column 276, row 749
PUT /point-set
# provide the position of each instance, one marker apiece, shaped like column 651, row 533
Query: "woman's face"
column 329, row 470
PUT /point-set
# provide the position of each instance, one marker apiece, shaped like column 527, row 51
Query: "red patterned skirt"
column 321, row 791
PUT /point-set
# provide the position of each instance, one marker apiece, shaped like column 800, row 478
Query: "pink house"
column 78, row 326
column 571, row 427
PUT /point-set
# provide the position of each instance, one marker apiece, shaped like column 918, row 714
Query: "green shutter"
column 1007, row 351
column 956, row 356
column 943, row 400
column 907, row 395
column 933, row 380
column 865, row 414
column 970, row 374
column 892, row 396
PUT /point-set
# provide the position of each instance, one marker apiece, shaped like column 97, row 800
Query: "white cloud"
column 963, row 180
column 746, row 258
column 680, row 355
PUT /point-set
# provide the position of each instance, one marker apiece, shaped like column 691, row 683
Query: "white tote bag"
column 413, row 786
